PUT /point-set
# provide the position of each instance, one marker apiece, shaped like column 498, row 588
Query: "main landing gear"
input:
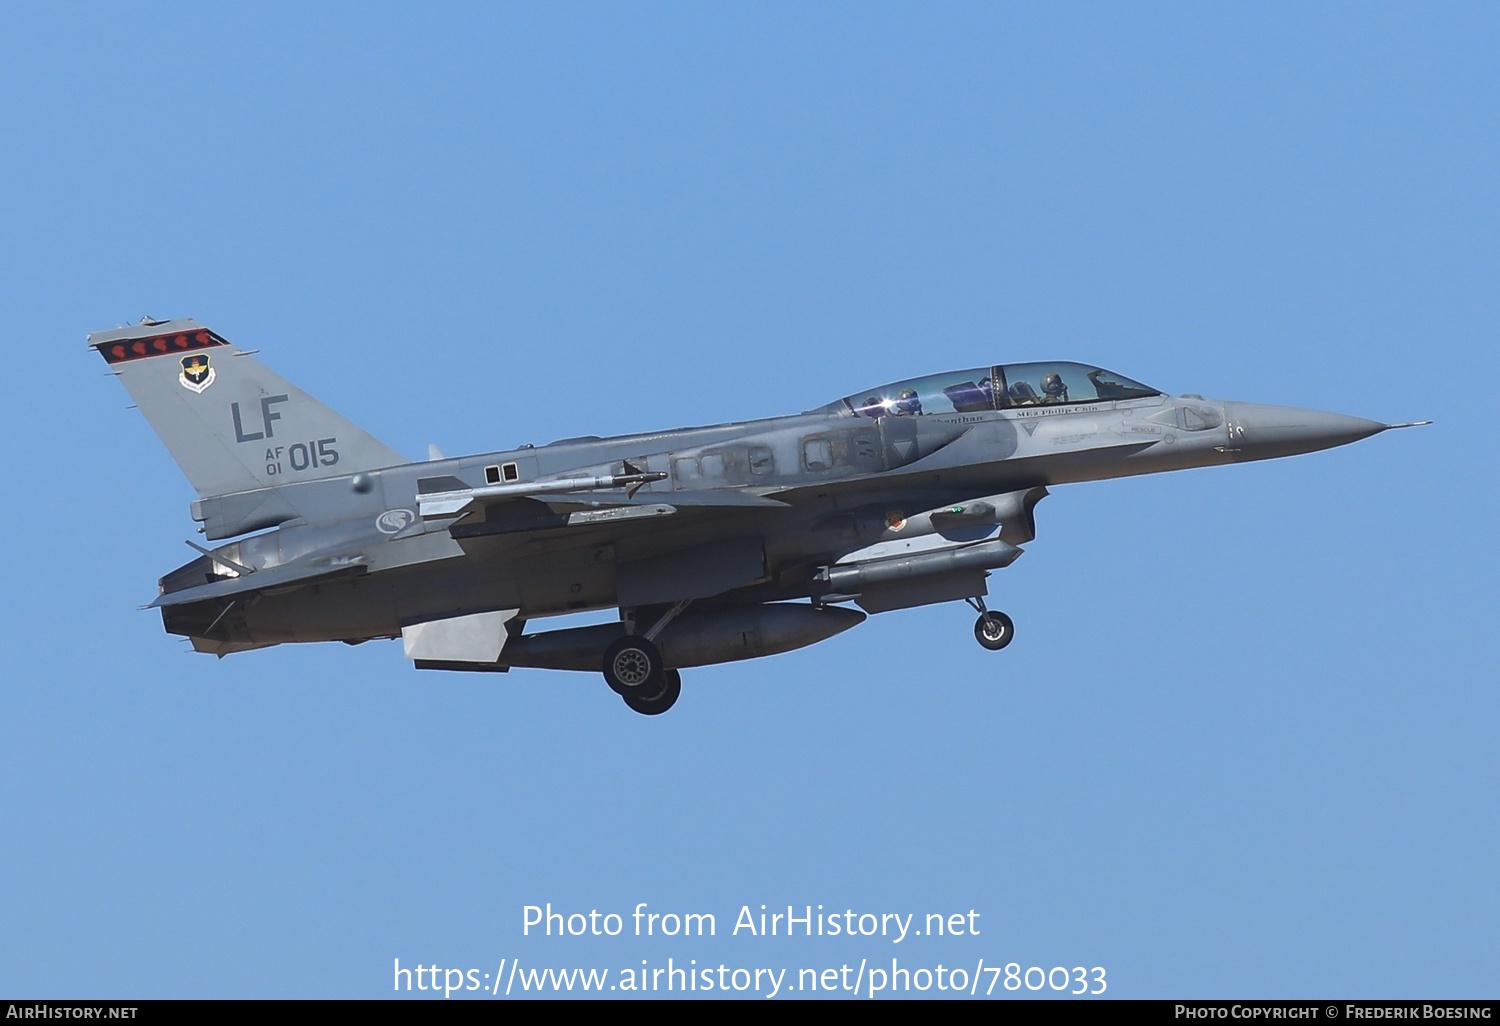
column 994, row 630
column 634, row 669
column 664, row 699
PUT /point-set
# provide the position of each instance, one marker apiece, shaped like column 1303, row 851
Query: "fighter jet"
column 714, row 543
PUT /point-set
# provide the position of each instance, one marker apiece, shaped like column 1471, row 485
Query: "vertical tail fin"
column 231, row 423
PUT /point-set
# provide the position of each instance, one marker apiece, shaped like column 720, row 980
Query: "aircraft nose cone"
column 1265, row 432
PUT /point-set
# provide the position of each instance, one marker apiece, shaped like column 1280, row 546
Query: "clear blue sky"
column 1244, row 744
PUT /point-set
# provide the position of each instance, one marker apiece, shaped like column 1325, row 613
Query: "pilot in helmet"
column 1054, row 389
column 873, row 407
column 908, row 403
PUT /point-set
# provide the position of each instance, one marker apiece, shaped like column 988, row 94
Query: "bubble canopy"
column 992, row 388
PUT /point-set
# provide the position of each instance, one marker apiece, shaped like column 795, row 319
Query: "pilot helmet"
column 907, row 401
column 1053, row 385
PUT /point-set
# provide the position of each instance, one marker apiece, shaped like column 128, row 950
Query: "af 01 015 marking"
column 302, row 456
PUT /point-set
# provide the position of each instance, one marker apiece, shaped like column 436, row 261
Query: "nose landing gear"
column 993, row 630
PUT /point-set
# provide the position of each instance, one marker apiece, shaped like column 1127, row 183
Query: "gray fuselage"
column 839, row 481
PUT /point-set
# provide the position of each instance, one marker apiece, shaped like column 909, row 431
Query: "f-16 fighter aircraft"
column 714, row 543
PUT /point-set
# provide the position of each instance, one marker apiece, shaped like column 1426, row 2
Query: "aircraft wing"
column 708, row 498
column 554, row 512
column 437, row 498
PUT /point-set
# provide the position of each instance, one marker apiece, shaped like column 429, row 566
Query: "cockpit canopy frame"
column 1000, row 387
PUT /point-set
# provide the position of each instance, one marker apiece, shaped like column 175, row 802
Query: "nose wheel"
column 993, row 630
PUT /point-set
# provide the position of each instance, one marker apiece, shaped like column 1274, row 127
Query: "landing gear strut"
column 993, row 630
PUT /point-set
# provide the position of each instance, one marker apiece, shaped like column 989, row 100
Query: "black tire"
column 633, row 666
column 994, row 630
column 671, row 690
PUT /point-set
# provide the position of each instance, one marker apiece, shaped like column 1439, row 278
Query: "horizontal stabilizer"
column 291, row 574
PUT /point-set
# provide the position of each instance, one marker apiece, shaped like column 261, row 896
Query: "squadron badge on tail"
column 197, row 373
